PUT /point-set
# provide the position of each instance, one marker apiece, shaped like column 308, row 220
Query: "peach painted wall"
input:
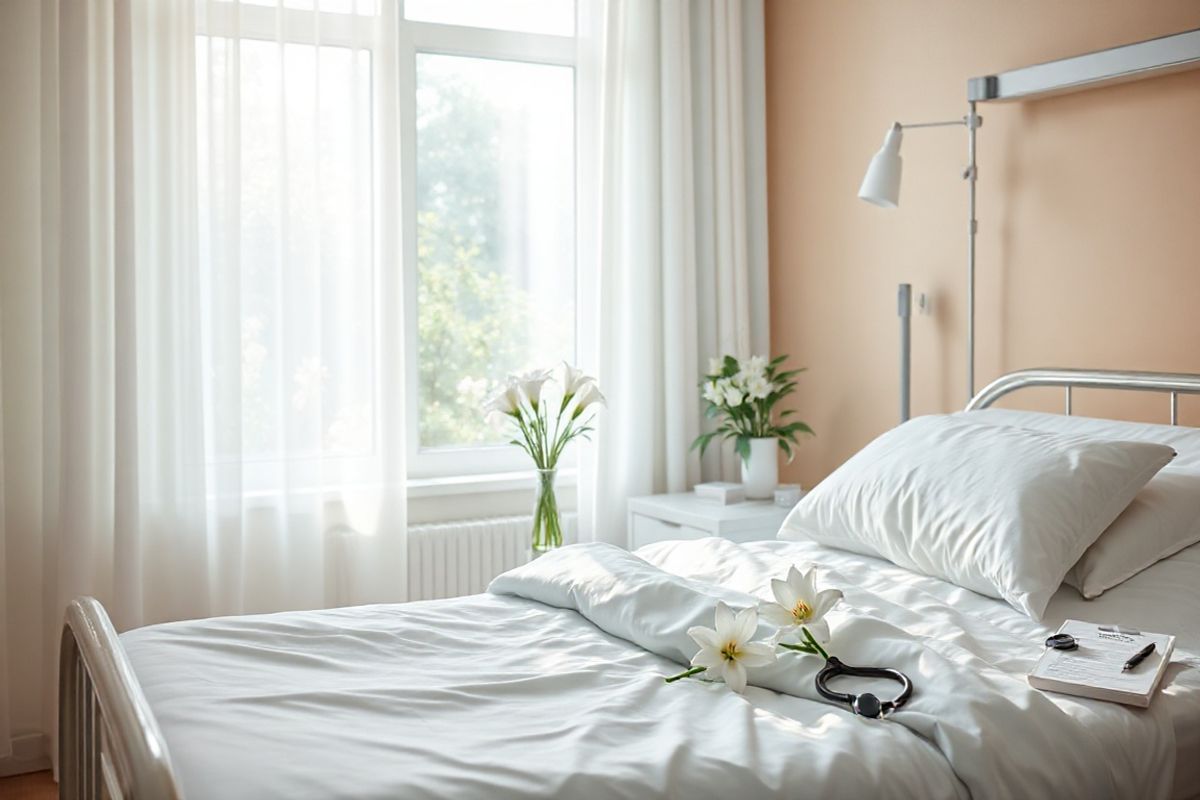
column 1089, row 208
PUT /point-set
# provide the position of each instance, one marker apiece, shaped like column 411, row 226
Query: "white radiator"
column 451, row 559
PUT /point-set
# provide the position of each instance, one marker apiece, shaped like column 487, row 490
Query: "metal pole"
column 973, row 227
column 905, row 310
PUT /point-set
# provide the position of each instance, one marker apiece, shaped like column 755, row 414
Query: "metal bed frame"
column 110, row 746
column 1170, row 383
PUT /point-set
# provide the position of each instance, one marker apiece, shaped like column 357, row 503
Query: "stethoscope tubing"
column 866, row 704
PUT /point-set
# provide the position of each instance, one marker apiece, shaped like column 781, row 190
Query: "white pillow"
column 1001, row 511
column 1163, row 518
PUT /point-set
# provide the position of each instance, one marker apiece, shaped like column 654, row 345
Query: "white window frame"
column 428, row 465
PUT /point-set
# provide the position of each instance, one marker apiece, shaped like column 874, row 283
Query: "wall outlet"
column 925, row 304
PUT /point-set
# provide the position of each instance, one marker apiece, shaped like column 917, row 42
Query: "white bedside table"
column 686, row 516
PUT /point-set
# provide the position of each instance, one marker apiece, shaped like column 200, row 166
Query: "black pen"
column 1138, row 657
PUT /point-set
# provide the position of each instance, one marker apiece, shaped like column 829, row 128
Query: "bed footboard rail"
column 109, row 745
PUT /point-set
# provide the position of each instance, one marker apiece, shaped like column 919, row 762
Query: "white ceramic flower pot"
column 760, row 473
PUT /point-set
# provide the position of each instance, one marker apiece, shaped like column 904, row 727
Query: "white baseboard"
column 29, row 754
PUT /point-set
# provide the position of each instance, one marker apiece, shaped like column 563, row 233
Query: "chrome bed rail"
column 109, row 745
column 1171, row 383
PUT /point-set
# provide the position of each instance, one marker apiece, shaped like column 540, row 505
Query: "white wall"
column 20, row 254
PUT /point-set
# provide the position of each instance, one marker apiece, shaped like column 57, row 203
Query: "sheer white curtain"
column 301, row 303
column 220, row 350
column 681, row 270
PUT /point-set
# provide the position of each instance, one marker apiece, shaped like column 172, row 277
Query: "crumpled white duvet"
column 496, row 696
column 983, row 720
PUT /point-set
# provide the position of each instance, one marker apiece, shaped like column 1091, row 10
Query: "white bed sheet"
column 1164, row 598
column 491, row 696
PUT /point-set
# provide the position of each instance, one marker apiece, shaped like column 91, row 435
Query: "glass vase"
column 547, row 522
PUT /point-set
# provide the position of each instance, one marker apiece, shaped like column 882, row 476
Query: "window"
column 491, row 127
column 297, row 94
column 495, row 234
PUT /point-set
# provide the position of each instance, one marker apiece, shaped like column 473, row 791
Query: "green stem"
column 685, row 674
column 812, row 641
column 530, row 440
column 799, row 648
column 561, row 441
column 547, row 524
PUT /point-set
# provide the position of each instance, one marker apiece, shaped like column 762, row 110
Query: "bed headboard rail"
column 109, row 745
column 1171, row 383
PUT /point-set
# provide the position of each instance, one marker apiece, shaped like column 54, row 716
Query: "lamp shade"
column 881, row 184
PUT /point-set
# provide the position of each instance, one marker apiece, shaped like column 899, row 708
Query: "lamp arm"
column 978, row 120
column 947, row 123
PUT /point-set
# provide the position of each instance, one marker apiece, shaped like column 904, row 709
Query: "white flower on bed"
column 799, row 605
column 727, row 651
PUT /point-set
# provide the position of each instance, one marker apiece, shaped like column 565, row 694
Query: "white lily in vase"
column 543, row 430
column 727, row 650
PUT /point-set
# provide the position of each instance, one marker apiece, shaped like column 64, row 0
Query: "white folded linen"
column 1000, row 737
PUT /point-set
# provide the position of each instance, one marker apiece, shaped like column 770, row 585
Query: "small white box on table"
column 721, row 491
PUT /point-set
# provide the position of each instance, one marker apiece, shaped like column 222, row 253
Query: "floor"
column 31, row 786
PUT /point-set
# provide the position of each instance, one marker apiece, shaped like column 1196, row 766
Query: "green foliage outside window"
column 470, row 312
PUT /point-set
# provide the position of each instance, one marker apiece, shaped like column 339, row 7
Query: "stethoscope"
column 865, row 704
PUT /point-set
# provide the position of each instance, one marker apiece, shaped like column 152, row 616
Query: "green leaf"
column 743, row 447
column 799, row 426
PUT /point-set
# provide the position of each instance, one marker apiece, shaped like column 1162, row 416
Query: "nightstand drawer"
column 647, row 530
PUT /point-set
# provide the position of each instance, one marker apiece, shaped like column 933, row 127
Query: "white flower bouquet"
column 546, row 422
column 743, row 394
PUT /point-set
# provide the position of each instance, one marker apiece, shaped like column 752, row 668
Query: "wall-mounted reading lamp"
column 881, row 185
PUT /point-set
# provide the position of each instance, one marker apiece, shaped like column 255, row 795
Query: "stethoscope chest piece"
column 865, row 704
column 868, row 705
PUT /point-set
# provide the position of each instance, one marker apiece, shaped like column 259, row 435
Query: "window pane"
column 495, row 233
column 530, row 16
